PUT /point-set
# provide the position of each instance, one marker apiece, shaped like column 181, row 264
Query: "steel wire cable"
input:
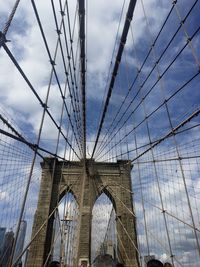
column 72, row 95
column 116, row 67
column 154, row 111
column 135, row 79
column 164, row 153
column 109, row 137
column 35, row 93
column 52, row 60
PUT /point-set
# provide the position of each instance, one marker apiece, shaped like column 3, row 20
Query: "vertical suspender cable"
column 83, row 69
column 82, row 80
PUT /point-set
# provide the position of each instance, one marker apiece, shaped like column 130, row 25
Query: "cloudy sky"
column 143, row 117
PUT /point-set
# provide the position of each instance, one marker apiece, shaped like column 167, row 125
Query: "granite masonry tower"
column 113, row 179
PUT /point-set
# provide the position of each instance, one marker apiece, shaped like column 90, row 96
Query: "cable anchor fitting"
column 58, row 32
column 52, row 62
column 3, row 39
column 62, row 13
column 44, row 105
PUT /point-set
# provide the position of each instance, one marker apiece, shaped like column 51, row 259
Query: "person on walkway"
column 54, row 264
column 154, row 263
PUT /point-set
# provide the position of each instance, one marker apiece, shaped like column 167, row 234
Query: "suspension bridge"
column 99, row 133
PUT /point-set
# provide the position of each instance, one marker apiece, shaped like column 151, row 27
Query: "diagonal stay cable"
column 34, row 147
column 148, row 76
column 112, row 57
column 48, row 51
column 19, row 137
column 58, row 29
column 71, row 57
column 136, row 77
column 35, row 93
column 41, row 227
column 70, row 53
column 171, row 133
column 116, row 67
column 148, row 144
column 68, row 70
column 153, row 86
column 12, row 14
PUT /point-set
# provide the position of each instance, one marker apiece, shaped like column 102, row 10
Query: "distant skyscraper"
column 7, row 249
column 2, row 235
column 20, row 240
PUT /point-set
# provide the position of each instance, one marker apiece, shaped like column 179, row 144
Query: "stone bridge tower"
column 101, row 177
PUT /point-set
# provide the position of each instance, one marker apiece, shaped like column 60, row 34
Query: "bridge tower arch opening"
column 65, row 229
column 103, row 236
